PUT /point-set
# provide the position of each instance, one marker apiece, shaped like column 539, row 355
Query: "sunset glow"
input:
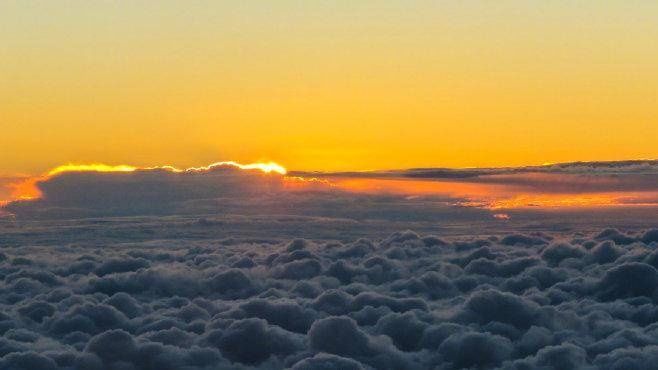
column 267, row 167
column 332, row 87
column 494, row 192
column 25, row 189
column 96, row 167
column 495, row 196
column 327, row 86
column 289, row 184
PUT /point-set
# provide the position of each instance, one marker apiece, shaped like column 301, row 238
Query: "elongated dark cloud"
column 599, row 167
column 577, row 177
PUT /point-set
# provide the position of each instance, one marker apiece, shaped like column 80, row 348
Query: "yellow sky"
column 326, row 85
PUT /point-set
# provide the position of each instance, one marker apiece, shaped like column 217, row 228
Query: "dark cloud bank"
column 222, row 190
column 517, row 301
column 228, row 190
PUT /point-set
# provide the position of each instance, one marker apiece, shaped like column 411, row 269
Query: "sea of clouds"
column 558, row 300
column 229, row 269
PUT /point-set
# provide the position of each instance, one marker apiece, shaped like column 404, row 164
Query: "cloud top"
column 558, row 300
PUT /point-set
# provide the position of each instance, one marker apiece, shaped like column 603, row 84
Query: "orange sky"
column 497, row 196
column 345, row 85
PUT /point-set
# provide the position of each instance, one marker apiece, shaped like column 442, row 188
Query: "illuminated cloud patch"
column 97, row 167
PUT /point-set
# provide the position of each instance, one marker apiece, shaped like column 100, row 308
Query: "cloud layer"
column 228, row 188
column 407, row 301
column 219, row 190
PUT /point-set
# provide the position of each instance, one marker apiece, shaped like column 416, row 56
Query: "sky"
column 326, row 85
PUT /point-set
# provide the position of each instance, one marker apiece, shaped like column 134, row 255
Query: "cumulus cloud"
column 148, row 191
column 550, row 300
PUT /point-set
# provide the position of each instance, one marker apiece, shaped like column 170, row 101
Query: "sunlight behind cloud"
column 267, row 167
column 94, row 167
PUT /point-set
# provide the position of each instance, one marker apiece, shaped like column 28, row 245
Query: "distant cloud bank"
column 98, row 190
